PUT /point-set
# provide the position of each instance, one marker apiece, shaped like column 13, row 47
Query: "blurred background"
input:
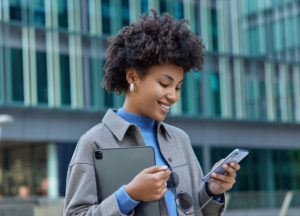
column 247, row 96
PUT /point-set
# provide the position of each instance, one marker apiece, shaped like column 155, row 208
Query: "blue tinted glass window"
column 198, row 96
column 39, row 12
column 215, row 94
column 162, row 6
column 125, row 12
column 105, row 16
column 15, row 10
column 108, row 98
column 198, row 153
column 178, row 10
column 254, row 43
column 277, row 35
column 277, row 169
column 65, row 84
column 42, row 82
column 17, row 84
column 184, row 97
column 214, row 29
column 62, row 13
column 290, row 32
column 144, row 5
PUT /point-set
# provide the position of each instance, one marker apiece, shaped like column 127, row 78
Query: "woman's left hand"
column 221, row 183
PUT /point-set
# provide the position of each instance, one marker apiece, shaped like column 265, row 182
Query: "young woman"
column 146, row 61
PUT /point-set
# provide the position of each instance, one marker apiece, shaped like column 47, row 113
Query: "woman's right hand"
column 149, row 185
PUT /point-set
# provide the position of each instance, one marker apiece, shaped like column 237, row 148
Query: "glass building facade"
column 52, row 57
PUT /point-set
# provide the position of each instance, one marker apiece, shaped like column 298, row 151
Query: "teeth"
column 164, row 106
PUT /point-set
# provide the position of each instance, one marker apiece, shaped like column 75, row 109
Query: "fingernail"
column 211, row 179
column 164, row 167
column 232, row 164
column 213, row 174
column 225, row 166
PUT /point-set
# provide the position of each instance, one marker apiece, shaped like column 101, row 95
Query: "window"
column 62, row 13
column 125, row 13
column 15, row 10
column 17, row 80
column 105, row 16
column 264, row 169
column 108, row 98
column 144, row 5
column 42, row 81
column 38, row 12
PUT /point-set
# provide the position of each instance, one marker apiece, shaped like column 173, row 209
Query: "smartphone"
column 236, row 156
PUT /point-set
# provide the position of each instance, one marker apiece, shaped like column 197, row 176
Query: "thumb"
column 155, row 169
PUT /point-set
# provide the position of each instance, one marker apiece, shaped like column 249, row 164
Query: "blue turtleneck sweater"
column 149, row 129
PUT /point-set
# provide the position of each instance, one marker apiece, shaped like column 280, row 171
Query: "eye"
column 177, row 89
column 163, row 85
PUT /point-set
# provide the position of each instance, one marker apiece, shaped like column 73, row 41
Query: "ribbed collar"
column 119, row 126
column 144, row 123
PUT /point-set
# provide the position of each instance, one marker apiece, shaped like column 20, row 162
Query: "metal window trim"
column 134, row 10
column 26, row 65
column 189, row 13
column 2, row 86
column 239, row 85
column 1, row 3
column 207, row 94
column 285, row 99
column 225, row 84
column 32, row 67
column 235, row 26
column 296, row 80
column 154, row 4
column 5, row 10
column 270, row 94
column 205, row 13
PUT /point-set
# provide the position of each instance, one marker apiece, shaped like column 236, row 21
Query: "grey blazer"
column 114, row 131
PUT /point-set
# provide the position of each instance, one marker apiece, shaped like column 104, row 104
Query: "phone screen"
column 236, row 156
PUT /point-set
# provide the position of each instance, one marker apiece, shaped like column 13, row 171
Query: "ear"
column 131, row 75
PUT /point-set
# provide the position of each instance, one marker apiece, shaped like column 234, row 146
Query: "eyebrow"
column 170, row 78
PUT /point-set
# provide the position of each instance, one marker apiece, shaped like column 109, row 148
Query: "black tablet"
column 115, row 167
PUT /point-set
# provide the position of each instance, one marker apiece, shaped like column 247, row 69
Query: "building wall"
column 247, row 95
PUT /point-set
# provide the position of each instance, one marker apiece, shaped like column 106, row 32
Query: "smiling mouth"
column 164, row 106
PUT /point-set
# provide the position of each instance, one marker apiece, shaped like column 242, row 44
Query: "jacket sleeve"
column 213, row 208
column 81, row 194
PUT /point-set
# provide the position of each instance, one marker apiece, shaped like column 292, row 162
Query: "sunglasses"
column 183, row 200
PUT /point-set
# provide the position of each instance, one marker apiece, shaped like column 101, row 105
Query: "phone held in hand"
column 236, row 156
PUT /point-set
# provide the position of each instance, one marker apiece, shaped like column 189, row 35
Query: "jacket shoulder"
column 176, row 132
column 88, row 143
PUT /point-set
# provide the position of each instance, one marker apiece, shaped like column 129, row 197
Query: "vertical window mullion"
column 239, row 86
column 296, row 80
column 26, row 65
column 2, row 87
column 7, row 65
column 32, row 66
column 205, row 13
column 270, row 70
column 284, row 93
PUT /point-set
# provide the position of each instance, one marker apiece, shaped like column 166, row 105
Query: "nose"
column 173, row 96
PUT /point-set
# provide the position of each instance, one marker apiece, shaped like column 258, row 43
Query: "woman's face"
column 156, row 92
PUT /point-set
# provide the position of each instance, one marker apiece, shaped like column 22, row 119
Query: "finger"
column 224, row 185
column 216, row 164
column 224, row 178
column 235, row 166
column 155, row 169
column 231, row 171
column 162, row 174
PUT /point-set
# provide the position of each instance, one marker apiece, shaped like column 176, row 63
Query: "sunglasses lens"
column 184, row 200
column 173, row 181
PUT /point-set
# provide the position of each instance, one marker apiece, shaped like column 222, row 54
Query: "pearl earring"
column 132, row 87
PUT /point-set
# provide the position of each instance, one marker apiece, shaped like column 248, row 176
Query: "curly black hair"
column 147, row 42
